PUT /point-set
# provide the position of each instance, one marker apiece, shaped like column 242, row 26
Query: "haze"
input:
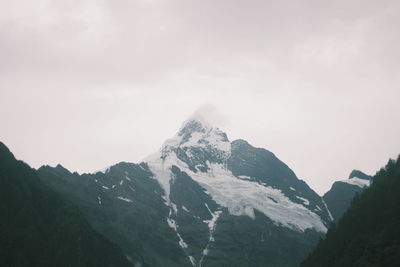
column 90, row 83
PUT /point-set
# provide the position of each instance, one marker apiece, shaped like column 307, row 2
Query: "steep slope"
column 368, row 234
column 125, row 205
column 339, row 197
column 201, row 200
column 39, row 228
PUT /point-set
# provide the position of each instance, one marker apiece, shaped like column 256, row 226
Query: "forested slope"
column 368, row 234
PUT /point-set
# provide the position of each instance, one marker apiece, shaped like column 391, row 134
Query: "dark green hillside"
column 368, row 234
column 39, row 228
column 339, row 197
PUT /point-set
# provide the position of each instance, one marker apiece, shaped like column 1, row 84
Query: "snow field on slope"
column 357, row 181
column 241, row 197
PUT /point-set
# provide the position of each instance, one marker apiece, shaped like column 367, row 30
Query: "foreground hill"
column 368, row 234
column 39, row 228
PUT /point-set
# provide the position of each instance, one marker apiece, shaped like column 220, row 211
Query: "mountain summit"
column 237, row 179
column 201, row 200
column 197, row 142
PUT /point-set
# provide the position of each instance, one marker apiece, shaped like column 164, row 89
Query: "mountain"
column 201, row 200
column 339, row 197
column 368, row 234
column 38, row 227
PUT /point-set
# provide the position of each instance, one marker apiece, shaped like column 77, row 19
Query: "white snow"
column 174, row 208
column 122, row 181
column 244, row 177
column 213, row 137
column 172, row 224
column 291, row 188
column 185, row 209
column 357, row 181
column 113, row 186
column 127, row 178
column 306, row 202
column 125, row 199
column 241, row 197
column 105, row 187
column 212, row 224
column 326, row 207
column 192, row 260
column 161, row 170
column 144, row 169
column 99, row 199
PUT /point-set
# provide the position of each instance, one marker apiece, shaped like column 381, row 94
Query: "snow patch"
column 326, row 207
column 99, row 200
column 208, row 137
column 105, row 187
column 306, row 201
column 212, row 224
column 161, row 171
column 172, row 224
column 357, row 181
column 122, row 181
column 125, row 199
column 241, row 197
column 192, row 260
column 185, row 209
column 244, row 177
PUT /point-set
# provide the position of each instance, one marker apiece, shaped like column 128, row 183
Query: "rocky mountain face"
column 39, row 227
column 339, row 197
column 201, row 200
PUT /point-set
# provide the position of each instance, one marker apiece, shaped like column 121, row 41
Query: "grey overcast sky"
column 90, row 83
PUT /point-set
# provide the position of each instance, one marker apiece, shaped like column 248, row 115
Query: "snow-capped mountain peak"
column 204, row 153
column 197, row 132
column 197, row 144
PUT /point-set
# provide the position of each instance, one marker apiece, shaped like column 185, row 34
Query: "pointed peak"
column 195, row 123
column 197, row 132
column 359, row 174
column 5, row 153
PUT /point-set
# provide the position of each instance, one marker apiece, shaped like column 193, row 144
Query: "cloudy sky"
column 90, row 83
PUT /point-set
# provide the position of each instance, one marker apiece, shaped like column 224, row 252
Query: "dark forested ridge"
column 368, row 234
column 40, row 228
